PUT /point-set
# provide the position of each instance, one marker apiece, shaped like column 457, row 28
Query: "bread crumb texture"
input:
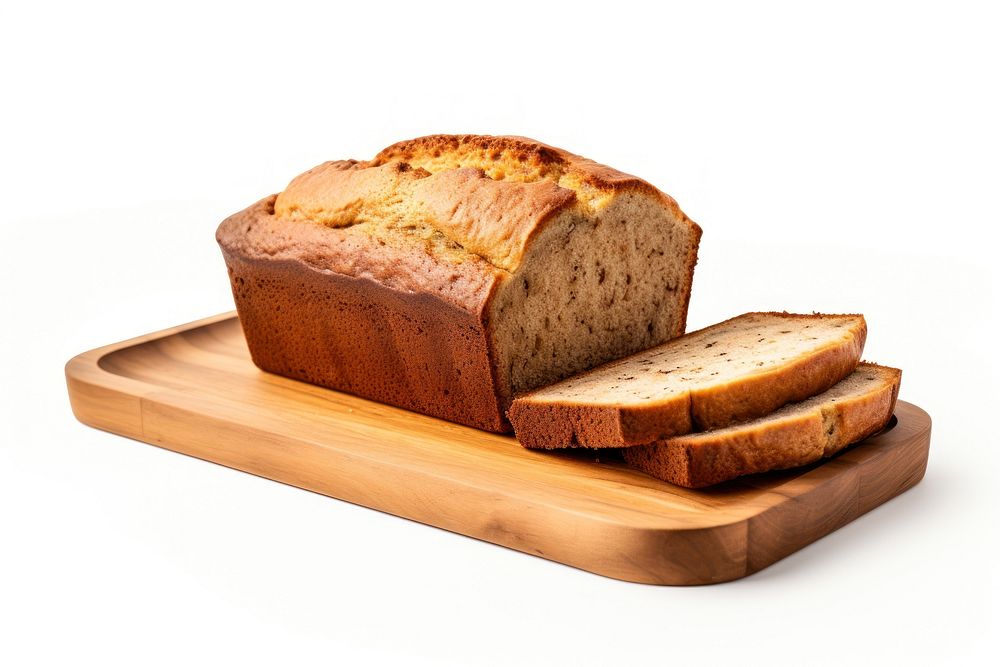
column 753, row 343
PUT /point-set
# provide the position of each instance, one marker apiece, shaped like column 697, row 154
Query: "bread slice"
column 731, row 372
column 795, row 435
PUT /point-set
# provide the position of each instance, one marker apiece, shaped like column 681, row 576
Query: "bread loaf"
column 795, row 435
column 451, row 272
column 736, row 370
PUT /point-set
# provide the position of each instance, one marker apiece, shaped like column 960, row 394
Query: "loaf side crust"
column 703, row 459
column 551, row 424
column 256, row 233
column 411, row 350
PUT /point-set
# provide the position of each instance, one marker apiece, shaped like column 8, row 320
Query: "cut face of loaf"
column 450, row 272
column 737, row 370
column 595, row 287
column 795, row 435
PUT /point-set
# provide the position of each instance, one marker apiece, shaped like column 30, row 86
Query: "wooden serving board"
column 193, row 389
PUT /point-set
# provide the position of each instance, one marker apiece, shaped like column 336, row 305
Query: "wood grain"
column 193, row 389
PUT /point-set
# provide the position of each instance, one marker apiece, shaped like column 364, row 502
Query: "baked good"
column 797, row 434
column 730, row 372
column 450, row 272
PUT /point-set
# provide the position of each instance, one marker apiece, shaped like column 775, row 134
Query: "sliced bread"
column 795, row 435
column 730, row 372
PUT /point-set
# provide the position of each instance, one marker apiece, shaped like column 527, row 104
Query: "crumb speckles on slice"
column 753, row 343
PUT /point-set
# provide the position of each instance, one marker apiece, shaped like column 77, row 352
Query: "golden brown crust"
column 797, row 439
column 792, row 442
column 486, row 196
column 551, row 424
column 492, row 219
column 256, row 233
column 511, row 158
column 457, row 213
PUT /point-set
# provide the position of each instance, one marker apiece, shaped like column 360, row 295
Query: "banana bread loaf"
column 451, row 271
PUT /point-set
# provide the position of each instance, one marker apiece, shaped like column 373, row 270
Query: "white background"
column 838, row 159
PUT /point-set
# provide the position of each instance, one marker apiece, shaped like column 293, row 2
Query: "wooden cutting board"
column 193, row 389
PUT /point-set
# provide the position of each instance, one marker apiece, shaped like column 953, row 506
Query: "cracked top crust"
column 449, row 214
